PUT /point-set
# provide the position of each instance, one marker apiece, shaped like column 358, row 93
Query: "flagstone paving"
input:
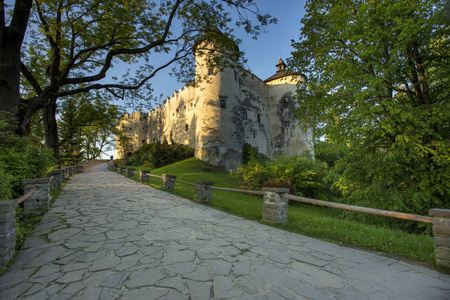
column 108, row 237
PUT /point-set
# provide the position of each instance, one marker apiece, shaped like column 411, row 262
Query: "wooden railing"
column 276, row 204
column 367, row 210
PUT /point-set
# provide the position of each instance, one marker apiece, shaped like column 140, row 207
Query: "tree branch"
column 30, row 78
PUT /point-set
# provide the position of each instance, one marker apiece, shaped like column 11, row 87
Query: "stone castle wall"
column 217, row 117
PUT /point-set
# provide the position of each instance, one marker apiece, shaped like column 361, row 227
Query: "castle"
column 219, row 115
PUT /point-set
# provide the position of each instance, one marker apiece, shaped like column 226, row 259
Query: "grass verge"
column 319, row 222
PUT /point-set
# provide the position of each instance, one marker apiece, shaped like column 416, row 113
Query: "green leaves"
column 374, row 86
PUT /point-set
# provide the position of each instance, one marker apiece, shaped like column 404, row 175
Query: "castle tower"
column 216, row 141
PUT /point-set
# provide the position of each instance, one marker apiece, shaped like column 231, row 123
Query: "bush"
column 300, row 173
column 157, row 155
column 19, row 160
column 252, row 153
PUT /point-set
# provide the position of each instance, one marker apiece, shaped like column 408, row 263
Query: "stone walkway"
column 108, row 237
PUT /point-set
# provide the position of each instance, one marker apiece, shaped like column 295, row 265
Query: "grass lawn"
column 320, row 222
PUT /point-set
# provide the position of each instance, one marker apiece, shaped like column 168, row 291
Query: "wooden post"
column 441, row 235
column 202, row 192
column 168, row 182
column 275, row 207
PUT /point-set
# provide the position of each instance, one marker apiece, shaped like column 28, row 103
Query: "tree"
column 11, row 38
column 88, row 126
column 75, row 43
column 379, row 83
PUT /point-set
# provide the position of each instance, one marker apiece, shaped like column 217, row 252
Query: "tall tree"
column 87, row 125
column 11, row 38
column 73, row 44
column 379, row 82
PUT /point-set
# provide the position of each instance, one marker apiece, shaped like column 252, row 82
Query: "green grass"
column 324, row 223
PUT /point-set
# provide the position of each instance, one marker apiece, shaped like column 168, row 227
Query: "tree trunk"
column 11, row 39
column 51, row 127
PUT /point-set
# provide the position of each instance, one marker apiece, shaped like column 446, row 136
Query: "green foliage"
column 252, row 153
column 19, row 160
column 300, row 173
column 158, row 154
column 379, row 74
column 88, row 126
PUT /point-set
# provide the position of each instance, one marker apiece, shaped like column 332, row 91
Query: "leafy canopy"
column 379, row 83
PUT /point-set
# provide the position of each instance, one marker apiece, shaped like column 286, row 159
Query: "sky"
column 262, row 54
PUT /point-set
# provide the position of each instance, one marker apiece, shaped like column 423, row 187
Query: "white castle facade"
column 219, row 115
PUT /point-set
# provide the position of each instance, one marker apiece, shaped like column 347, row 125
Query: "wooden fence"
column 275, row 206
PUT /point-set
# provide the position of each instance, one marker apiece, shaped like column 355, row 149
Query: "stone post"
column 143, row 176
column 70, row 170
column 74, row 170
column 275, row 207
column 202, row 192
column 7, row 230
column 122, row 170
column 80, row 169
column 58, row 179
column 41, row 197
column 441, row 234
column 66, row 173
column 116, row 167
column 130, row 172
column 168, row 182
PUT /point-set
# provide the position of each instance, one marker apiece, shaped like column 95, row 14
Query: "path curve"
column 109, row 237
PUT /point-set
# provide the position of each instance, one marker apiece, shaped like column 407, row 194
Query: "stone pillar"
column 202, row 192
column 80, row 169
column 168, row 182
column 275, row 207
column 58, row 178
column 70, row 170
column 441, row 234
column 74, row 169
column 116, row 167
column 66, row 173
column 122, row 170
column 40, row 198
column 7, row 231
column 143, row 176
column 130, row 172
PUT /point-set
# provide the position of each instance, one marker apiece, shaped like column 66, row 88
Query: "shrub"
column 300, row 173
column 157, row 155
column 19, row 160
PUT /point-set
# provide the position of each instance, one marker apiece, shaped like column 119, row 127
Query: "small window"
column 259, row 118
column 287, row 124
column 210, row 71
column 143, row 141
column 286, row 102
column 191, row 105
column 254, row 135
column 235, row 75
column 244, row 114
column 186, row 127
column 223, row 103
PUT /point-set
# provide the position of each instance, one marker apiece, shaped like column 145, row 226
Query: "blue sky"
column 262, row 54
